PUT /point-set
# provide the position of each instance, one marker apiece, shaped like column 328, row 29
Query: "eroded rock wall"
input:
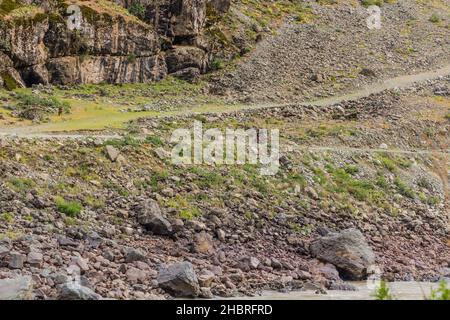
column 117, row 41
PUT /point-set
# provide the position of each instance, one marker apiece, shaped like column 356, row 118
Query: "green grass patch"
column 155, row 141
column 27, row 100
column 441, row 293
column 69, row 208
column 7, row 217
column 403, row 189
column 383, row 292
column 183, row 205
column 435, row 18
column 127, row 140
column 21, row 184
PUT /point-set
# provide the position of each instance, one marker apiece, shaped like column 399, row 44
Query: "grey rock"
column 112, row 153
column 221, row 235
column 276, row 264
column 162, row 154
column 206, row 278
column 132, row 255
column 152, row 219
column 19, row 288
column 16, row 260
column 206, row 293
column 66, row 242
column 348, row 251
column 248, row 263
column 4, row 251
column 71, row 291
column 34, row 258
column 179, row 279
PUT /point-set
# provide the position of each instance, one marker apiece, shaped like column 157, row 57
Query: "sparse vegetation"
column 217, row 64
column 435, row 18
column 70, row 208
column 383, row 292
column 21, row 184
column 441, row 293
column 403, row 189
column 32, row 106
column 7, row 217
column 127, row 140
column 137, row 9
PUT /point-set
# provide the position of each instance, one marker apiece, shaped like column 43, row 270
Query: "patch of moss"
column 6, row 6
column 8, row 81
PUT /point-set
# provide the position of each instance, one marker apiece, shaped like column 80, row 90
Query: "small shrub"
column 131, row 58
column 403, row 189
column 388, row 163
column 137, row 9
column 383, row 292
column 435, row 18
column 154, row 140
column 351, row 169
column 69, row 208
column 21, row 184
column 382, row 182
column 127, row 140
column 217, row 64
column 33, row 100
column 441, row 293
column 7, row 217
column 33, row 106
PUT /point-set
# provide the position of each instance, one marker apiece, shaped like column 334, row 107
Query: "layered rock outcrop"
column 123, row 41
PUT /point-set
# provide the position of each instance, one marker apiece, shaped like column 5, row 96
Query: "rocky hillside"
column 300, row 49
column 363, row 186
column 330, row 49
column 362, row 190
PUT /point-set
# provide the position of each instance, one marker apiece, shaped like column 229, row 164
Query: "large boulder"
column 188, row 17
column 179, row 279
column 347, row 250
column 72, row 291
column 19, row 288
column 183, row 57
column 9, row 77
column 151, row 218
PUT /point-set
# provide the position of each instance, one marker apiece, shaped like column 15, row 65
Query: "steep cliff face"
column 108, row 43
